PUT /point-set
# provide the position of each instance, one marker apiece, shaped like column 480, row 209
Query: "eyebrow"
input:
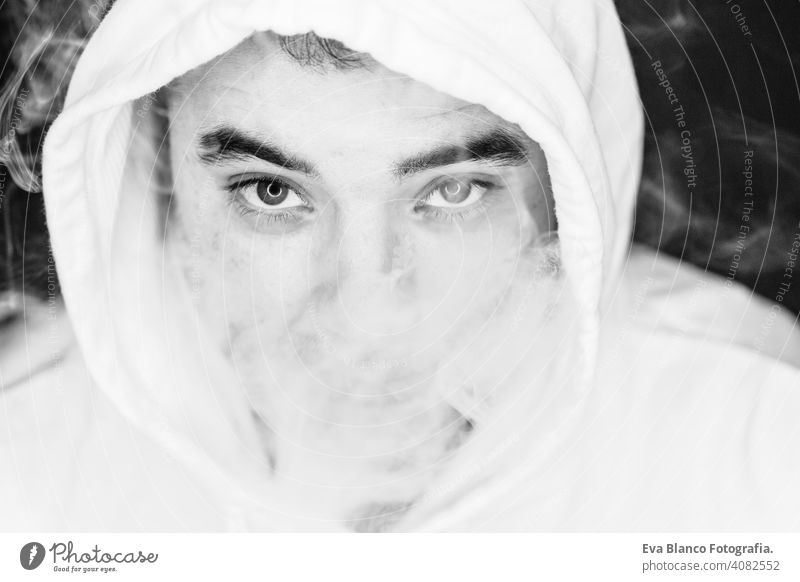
column 498, row 147
column 226, row 144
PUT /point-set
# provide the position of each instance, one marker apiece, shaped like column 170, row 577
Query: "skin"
column 351, row 309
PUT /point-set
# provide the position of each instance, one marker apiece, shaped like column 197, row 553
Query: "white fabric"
column 561, row 70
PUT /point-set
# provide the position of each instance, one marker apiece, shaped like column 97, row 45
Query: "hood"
column 559, row 69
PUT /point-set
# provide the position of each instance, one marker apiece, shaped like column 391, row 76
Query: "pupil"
column 272, row 193
column 455, row 192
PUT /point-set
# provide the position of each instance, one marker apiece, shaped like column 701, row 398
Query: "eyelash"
column 285, row 216
column 268, row 216
column 451, row 216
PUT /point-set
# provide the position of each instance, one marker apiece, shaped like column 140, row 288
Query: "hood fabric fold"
column 559, row 69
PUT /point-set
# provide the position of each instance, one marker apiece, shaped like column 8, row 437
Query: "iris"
column 272, row 193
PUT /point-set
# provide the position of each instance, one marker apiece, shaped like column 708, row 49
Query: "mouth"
column 367, row 476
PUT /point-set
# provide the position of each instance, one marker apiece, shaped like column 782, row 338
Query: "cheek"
column 264, row 286
column 461, row 266
column 238, row 280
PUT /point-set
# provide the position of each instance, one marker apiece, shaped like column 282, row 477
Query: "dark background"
column 740, row 92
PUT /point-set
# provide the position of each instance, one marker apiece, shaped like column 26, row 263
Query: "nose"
column 368, row 268
column 364, row 242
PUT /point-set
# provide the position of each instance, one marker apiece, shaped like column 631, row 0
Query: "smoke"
column 354, row 421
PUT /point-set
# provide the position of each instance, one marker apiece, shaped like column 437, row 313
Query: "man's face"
column 345, row 234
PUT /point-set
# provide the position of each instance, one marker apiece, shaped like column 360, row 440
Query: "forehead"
column 260, row 86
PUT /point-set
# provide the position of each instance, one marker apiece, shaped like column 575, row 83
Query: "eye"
column 269, row 193
column 455, row 194
column 458, row 199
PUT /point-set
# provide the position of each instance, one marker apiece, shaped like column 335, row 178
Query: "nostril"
column 367, row 297
column 365, row 305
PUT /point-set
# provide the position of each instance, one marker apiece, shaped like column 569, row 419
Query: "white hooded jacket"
column 681, row 409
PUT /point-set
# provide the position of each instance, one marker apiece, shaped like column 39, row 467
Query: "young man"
column 382, row 282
